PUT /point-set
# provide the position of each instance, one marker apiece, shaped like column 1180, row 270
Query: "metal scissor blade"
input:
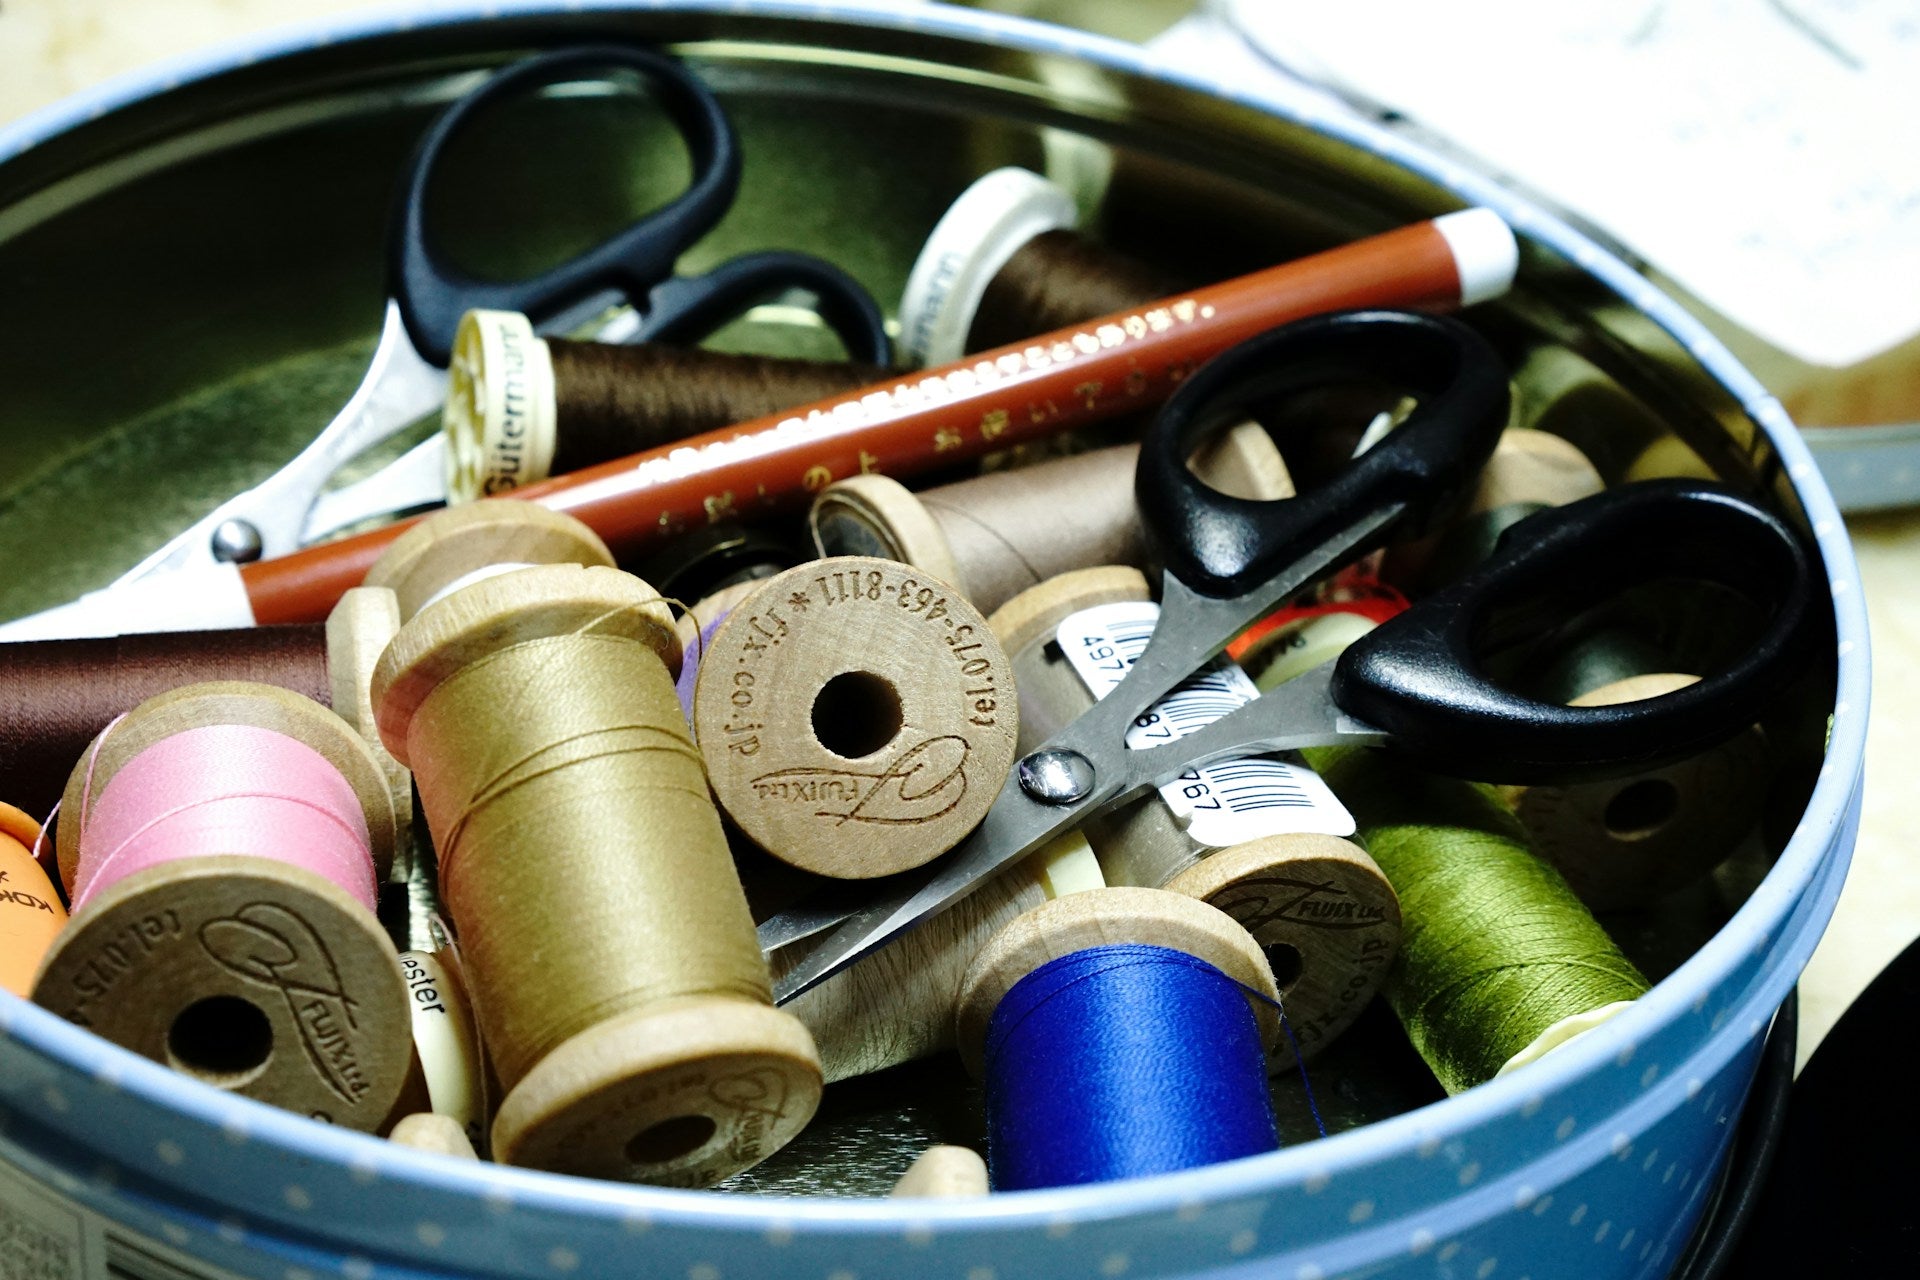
column 417, row 479
column 400, row 388
column 1015, row 826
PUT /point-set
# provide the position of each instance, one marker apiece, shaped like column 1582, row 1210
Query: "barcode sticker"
column 43, row 1236
column 1228, row 801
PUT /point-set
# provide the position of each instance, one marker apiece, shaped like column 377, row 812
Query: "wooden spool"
column 31, row 913
column 683, row 1091
column 1086, row 498
column 249, row 974
column 437, row 1134
column 1623, row 842
column 1316, row 904
column 1152, row 917
column 857, row 717
column 943, row 1173
column 358, row 632
column 463, row 541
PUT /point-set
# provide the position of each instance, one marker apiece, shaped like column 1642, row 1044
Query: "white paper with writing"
column 1228, row 801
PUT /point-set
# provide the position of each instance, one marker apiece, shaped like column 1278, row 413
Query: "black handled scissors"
column 428, row 295
column 1417, row 682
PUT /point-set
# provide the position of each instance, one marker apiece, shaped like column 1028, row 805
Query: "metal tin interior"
column 195, row 280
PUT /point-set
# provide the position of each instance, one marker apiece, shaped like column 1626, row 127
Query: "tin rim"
column 1821, row 841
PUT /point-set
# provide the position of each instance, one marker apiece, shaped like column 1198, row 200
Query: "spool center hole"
column 1642, row 808
column 1284, row 958
column 671, row 1139
column 856, row 713
column 222, row 1040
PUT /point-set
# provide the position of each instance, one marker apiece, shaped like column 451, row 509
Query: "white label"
column 1223, row 803
column 43, row 1237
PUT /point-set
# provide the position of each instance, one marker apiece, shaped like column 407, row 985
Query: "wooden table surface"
column 51, row 48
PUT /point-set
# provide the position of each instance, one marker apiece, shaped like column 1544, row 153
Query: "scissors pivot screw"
column 236, row 542
column 1056, row 777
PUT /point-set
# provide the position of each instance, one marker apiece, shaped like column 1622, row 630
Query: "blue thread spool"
column 1119, row 1035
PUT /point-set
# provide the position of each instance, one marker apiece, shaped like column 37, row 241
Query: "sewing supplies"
column 897, row 1004
column 856, row 716
column 1499, row 961
column 1120, row 1033
column 427, row 297
column 1528, row 472
column 995, row 535
column 1003, row 263
column 943, row 1172
column 1072, row 377
column 438, row 1134
column 1416, row 680
column 31, row 913
column 225, row 841
column 521, row 408
column 449, row 1076
column 1257, row 838
column 604, row 934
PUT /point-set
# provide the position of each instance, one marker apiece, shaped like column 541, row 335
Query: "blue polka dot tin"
column 193, row 265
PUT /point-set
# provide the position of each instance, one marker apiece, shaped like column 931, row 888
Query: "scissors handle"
column 686, row 309
column 1420, row 677
column 1223, row 546
column 433, row 294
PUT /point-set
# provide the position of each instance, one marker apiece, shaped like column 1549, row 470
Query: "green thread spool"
column 1499, row 961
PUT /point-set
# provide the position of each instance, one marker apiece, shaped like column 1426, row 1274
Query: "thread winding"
column 225, row 789
column 1121, row 1061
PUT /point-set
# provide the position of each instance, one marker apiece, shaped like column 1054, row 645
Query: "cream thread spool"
column 943, row 1173
column 638, row 1037
column 248, row 973
column 896, row 1004
column 995, row 535
column 857, row 717
column 450, row 1064
column 1321, row 910
column 437, row 1134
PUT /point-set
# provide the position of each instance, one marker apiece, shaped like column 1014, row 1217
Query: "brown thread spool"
column 31, row 913
column 313, row 1017
column 1004, row 263
column 998, row 534
column 1320, row 909
column 604, row 934
column 521, row 408
column 897, row 1004
column 856, row 715
column 64, row 692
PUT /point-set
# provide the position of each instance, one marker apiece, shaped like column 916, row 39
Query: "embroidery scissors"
column 1418, row 682
column 427, row 295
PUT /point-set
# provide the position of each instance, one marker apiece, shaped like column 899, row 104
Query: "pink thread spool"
column 224, row 841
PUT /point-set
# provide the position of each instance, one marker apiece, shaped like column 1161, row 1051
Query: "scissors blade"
column 417, row 479
column 1015, row 826
column 399, row 389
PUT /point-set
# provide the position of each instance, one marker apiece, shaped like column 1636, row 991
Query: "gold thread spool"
column 943, row 1173
column 329, row 1039
column 1150, row 917
column 604, row 934
column 856, row 715
column 31, row 913
column 1320, row 909
column 896, row 1004
column 995, row 535
column 438, row 555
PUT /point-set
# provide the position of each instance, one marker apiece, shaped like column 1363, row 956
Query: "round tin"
column 175, row 230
